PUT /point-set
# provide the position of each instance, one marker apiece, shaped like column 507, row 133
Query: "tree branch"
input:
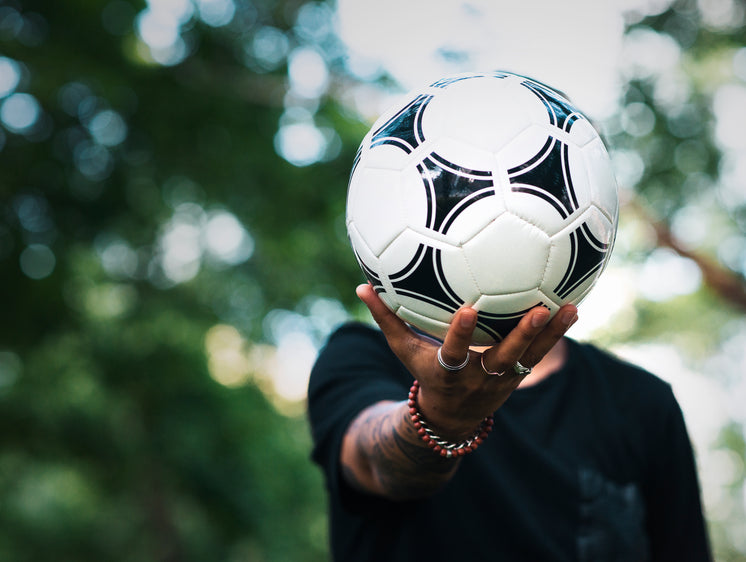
column 726, row 283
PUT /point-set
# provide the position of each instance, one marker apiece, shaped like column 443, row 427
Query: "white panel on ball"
column 386, row 157
column 402, row 253
column 536, row 211
column 454, row 274
column 507, row 256
column 471, row 219
column 523, row 147
column 427, row 323
column 578, row 256
column 374, row 206
column 582, row 133
column 579, row 180
column 514, row 302
column 600, row 226
column 602, row 182
column 467, row 112
column 463, row 155
column 362, row 251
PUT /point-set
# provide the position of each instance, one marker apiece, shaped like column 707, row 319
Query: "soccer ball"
column 490, row 190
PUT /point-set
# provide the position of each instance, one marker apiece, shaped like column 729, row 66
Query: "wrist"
column 447, row 415
column 442, row 445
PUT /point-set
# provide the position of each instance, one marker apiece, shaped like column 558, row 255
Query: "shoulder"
column 355, row 357
column 627, row 384
column 357, row 333
column 354, row 344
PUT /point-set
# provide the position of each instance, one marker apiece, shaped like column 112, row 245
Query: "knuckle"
column 530, row 360
column 525, row 334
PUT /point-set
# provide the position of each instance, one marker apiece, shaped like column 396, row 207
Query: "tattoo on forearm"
column 400, row 462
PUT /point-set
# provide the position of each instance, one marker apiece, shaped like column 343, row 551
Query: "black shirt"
column 591, row 464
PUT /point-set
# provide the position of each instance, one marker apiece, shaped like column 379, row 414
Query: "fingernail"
column 468, row 318
column 569, row 318
column 540, row 318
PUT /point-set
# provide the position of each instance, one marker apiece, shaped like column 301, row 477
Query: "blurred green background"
column 173, row 251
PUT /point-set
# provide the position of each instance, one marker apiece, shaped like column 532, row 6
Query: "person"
column 588, row 457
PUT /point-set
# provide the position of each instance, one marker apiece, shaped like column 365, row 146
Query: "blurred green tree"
column 143, row 203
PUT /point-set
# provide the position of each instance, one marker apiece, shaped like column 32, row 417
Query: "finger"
column 550, row 335
column 504, row 355
column 391, row 325
column 458, row 338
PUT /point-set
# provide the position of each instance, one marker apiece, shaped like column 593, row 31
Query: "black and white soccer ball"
column 490, row 190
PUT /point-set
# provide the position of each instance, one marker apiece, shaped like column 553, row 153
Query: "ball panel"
column 466, row 111
column 547, row 176
column 577, row 177
column 404, row 129
column 601, row 228
column 448, row 187
column 459, row 155
column 389, row 299
column 428, row 321
column 536, row 208
column 386, row 157
column 559, row 110
column 507, row 256
column 472, row 214
column 425, row 276
column 374, row 206
column 582, row 133
column 404, row 255
column 498, row 314
column 365, row 257
column 523, row 148
column 578, row 256
column 603, row 186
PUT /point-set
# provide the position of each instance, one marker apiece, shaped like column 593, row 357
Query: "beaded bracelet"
column 439, row 445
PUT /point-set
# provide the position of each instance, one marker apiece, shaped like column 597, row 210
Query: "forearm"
column 382, row 453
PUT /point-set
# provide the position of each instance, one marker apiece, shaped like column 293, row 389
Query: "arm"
column 382, row 453
column 381, row 450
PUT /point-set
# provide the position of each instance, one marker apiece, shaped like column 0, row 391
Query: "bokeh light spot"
column 301, row 144
column 228, row 362
column 226, row 239
column 216, row 13
column 308, row 73
column 108, row 128
column 93, row 160
column 666, row 275
column 10, row 368
column 20, row 112
column 37, row 261
column 10, row 76
column 268, row 48
column 638, row 119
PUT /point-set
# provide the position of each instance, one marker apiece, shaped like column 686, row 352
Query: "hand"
column 455, row 402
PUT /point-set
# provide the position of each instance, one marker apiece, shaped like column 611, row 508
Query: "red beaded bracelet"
column 439, row 445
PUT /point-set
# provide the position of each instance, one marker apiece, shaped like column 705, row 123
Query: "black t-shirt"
column 591, row 464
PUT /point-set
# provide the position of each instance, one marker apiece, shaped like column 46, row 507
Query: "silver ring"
column 448, row 367
column 486, row 370
column 520, row 370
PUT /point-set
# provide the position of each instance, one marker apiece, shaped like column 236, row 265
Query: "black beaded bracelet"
column 439, row 445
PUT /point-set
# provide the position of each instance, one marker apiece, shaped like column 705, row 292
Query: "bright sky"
column 572, row 45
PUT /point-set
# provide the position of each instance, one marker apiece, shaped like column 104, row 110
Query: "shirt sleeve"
column 354, row 370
